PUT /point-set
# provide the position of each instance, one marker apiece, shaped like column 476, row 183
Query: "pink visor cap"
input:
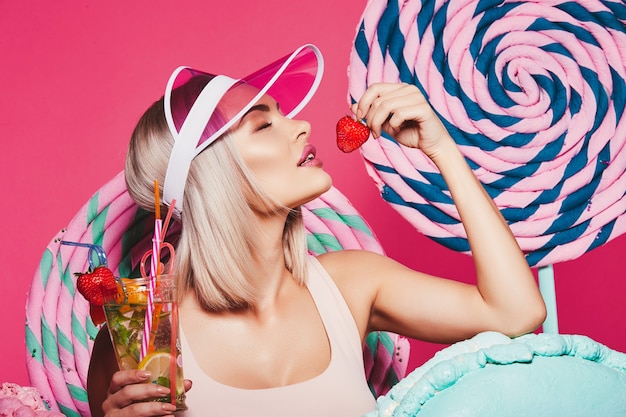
column 192, row 97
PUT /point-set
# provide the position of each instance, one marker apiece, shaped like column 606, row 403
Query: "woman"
column 266, row 329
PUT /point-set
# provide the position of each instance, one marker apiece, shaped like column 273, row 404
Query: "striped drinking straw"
column 154, row 269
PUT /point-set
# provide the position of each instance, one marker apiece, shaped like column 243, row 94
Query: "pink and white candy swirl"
column 533, row 92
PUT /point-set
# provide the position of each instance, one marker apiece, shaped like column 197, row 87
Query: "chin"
column 326, row 184
column 317, row 190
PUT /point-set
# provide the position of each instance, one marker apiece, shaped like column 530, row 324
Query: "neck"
column 270, row 260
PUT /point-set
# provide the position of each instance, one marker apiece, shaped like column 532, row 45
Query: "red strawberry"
column 351, row 134
column 97, row 286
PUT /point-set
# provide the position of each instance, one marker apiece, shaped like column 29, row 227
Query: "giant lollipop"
column 533, row 92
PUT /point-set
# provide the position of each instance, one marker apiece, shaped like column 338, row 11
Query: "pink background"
column 75, row 76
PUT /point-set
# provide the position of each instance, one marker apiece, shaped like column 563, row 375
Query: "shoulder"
column 340, row 264
column 346, row 270
column 347, row 265
column 358, row 273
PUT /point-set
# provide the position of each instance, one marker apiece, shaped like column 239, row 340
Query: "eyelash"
column 264, row 126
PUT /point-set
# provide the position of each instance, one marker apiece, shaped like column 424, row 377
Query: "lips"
column 308, row 155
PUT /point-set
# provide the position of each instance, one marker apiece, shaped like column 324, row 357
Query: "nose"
column 302, row 129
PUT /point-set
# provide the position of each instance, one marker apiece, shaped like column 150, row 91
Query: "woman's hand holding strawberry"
column 404, row 113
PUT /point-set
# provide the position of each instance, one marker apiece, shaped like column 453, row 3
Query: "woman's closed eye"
column 264, row 126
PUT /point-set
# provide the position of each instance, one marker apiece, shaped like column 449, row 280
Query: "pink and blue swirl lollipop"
column 533, row 92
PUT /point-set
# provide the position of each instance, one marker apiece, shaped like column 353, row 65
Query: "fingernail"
column 168, row 407
column 144, row 374
column 163, row 391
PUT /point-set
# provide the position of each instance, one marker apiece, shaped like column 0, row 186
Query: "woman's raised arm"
column 506, row 297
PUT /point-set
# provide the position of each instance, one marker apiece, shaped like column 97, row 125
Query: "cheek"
column 260, row 165
column 273, row 174
column 264, row 160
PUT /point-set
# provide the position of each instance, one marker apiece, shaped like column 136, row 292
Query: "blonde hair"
column 220, row 232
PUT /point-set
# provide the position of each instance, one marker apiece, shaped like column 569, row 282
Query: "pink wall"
column 75, row 76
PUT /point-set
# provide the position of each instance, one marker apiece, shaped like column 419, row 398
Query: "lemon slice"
column 158, row 364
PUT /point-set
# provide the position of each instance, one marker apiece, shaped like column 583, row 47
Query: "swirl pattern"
column 533, row 92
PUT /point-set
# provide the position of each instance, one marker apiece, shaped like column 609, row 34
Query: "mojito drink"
column 125, row 318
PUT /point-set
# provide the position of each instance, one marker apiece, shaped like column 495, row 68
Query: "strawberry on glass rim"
column 97, row 285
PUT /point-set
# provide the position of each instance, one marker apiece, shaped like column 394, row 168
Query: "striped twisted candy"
column 533, row 92
column 60, row 333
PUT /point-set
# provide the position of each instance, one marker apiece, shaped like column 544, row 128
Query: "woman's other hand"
column 403, row 112
column 129, row 395
column 118, row 393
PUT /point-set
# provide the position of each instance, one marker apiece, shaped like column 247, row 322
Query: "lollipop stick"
column 548, row 291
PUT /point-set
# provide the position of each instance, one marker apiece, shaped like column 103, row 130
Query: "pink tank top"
column 340, row 391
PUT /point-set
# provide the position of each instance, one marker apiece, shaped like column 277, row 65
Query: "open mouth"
column 308, row 158
column 308, row 155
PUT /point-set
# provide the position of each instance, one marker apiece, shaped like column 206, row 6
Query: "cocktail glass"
column 125, row 318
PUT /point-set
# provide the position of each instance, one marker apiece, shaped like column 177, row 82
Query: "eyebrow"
column 257, row 107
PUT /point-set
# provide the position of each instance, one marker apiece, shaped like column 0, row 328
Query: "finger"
column 126, row 377
column 416, row 113
column 143, row 409
column 187, row 384
column 393, row 109
column 371, row 94
column 129, row 397
column 135, row 393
